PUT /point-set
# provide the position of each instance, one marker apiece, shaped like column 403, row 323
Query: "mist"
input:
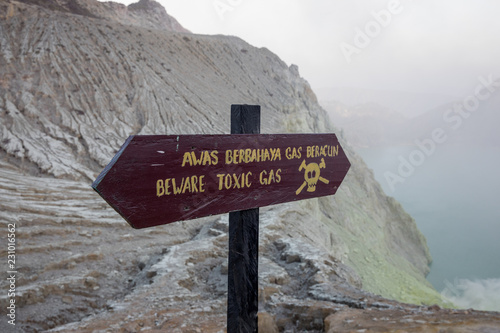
column 476, row 294
column 422, row 46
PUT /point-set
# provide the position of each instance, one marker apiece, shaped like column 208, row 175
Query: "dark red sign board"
column 159, row 179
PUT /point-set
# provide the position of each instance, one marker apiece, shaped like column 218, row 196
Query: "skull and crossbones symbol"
column 311, row 175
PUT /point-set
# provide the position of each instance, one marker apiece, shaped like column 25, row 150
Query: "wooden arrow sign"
column 160, row 179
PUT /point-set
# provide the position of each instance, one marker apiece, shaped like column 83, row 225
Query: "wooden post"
column 243, row 265
column 134, row 183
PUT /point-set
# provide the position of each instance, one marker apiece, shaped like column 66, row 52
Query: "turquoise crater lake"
column 454, row 196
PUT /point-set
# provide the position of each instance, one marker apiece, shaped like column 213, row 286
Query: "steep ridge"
column 90, row 83
column 73, row 87
column 145, row 13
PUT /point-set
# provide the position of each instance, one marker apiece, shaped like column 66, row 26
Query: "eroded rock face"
column 77, row 86
column 73, row 86
column 145, row 13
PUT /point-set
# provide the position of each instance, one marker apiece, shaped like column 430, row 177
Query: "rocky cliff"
column 76, row 78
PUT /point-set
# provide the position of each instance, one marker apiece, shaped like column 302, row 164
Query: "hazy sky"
column 410, row 45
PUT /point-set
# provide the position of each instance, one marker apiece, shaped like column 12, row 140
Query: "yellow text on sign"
column 322, row 151
column 234, row 181
column 270, row 177
column 204, row 157
column 238, row 156
column 191, row 184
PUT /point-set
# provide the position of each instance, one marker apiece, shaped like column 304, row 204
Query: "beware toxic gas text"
column 310, row 161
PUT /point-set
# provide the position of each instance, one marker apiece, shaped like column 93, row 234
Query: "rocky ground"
column 81, row 268
column 78, row 77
